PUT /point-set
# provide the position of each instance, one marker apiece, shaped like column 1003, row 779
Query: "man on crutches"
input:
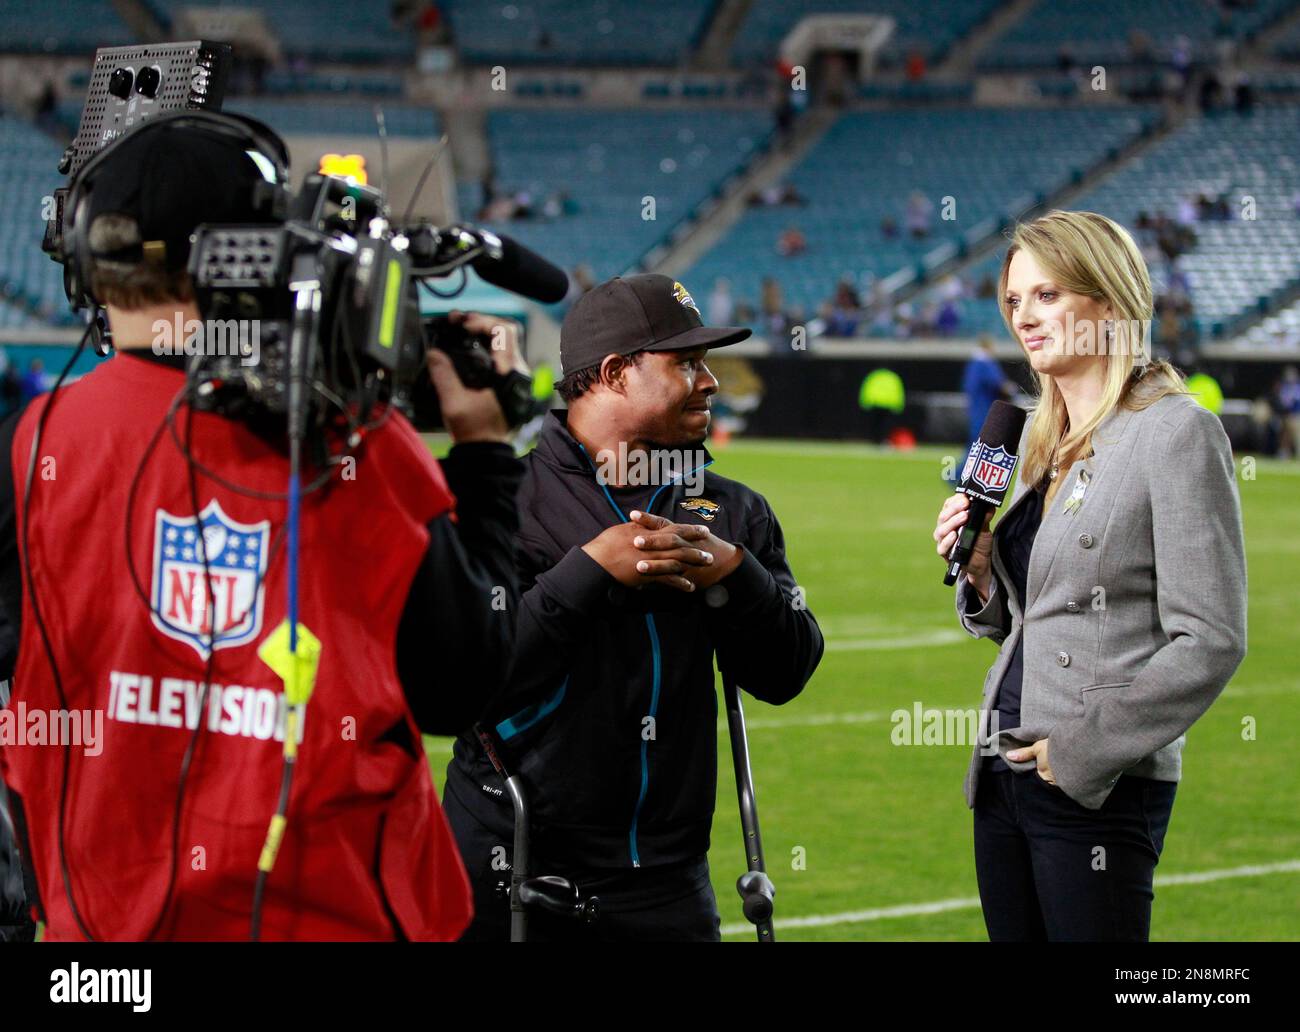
column 638, row 568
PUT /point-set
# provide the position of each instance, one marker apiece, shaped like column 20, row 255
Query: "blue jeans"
column 1051, row 870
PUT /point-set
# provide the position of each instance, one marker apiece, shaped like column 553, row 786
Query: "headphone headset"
column 269, row 200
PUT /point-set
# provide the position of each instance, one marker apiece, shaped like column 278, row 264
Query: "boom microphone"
column 985, row 477
column 509, row 264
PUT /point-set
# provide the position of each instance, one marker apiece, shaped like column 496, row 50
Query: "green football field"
column 870, row 840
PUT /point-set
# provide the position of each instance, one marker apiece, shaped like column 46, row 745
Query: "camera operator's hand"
column 615, row 549
column 476, row 415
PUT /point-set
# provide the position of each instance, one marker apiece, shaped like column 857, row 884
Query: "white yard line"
column 929, row 452
column 811, row 720
column 942, row 905
column 912, row 641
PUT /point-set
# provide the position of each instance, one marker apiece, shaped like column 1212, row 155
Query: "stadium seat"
column 1234, row 263
column 612, row 32
column 991, row 163
column 609, row 162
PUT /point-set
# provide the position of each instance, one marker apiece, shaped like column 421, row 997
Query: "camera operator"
column 155, row 829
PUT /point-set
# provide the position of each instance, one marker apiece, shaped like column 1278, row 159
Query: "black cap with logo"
column 648, row 312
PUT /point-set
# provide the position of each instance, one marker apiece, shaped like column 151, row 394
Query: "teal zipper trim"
column 530, row 715
column 633, row 851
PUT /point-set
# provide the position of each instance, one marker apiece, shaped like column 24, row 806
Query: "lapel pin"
column 1076, row 498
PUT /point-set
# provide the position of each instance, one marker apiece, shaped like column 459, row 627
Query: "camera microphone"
column 509, row 264
column 497, row 259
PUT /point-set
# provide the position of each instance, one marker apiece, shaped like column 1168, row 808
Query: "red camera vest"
column 367, row 853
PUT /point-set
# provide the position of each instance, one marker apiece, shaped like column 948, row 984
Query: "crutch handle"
column 756, row 892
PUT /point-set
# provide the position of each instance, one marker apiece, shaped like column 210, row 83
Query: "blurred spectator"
column 948, row 321
column 983, row 382
column 430, row 19
column 879, row 314
column 889, row 225
column 918, row 215
column 1210, row 96
column 835, row 81
column 842, row 313
column 1243, row 94
column 1180, row 58
column 47, row 113
column 722, row 307
column 791, row 102
column 1179, row 284
column 928, row 321
column 772, row 306
column 845, row 295
column 792, row 242
column 1288, row 395
column 501, row 206
column 951, row 291
column 523, row 205
column 915, row 65
column 11, row 388
column 1139, row 47
column 1173, row 239
column 581, row 280
column 952, row 287
column 558, row 204
column 777, row 194
column 35, row 381
column 903, row 313
column 882, row 321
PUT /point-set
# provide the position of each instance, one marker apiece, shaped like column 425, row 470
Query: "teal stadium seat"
column 867, row 165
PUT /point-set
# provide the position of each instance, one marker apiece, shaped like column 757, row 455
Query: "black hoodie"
column 610, row 711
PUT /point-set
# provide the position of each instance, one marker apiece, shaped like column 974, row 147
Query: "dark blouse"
column 1015, row 543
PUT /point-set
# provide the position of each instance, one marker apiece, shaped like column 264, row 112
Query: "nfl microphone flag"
column 985, row 477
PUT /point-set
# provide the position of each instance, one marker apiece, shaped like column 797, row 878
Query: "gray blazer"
column 1135, row 615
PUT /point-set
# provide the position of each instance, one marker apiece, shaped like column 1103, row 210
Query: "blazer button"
column 1072, row 606
column 1063, row 658
column 1085, row 540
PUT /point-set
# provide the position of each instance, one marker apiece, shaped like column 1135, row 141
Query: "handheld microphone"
column 985, row 478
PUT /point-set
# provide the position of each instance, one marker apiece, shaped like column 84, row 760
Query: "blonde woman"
column 1115, row 584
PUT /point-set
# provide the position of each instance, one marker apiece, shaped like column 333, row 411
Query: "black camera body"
column 311, row 315
column 471, row 355
column 312, row 283
column 354, row 294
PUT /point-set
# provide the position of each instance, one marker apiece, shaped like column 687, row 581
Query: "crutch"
column 755, row 887
column 548, row 891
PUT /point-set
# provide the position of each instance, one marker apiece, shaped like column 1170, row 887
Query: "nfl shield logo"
column 971, row 456
column 993, row 468
column 237, row 555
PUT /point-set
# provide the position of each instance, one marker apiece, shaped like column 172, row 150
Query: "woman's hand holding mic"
column 952, row 517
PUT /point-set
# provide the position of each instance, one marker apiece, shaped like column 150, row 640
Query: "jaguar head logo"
column 702, row 507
